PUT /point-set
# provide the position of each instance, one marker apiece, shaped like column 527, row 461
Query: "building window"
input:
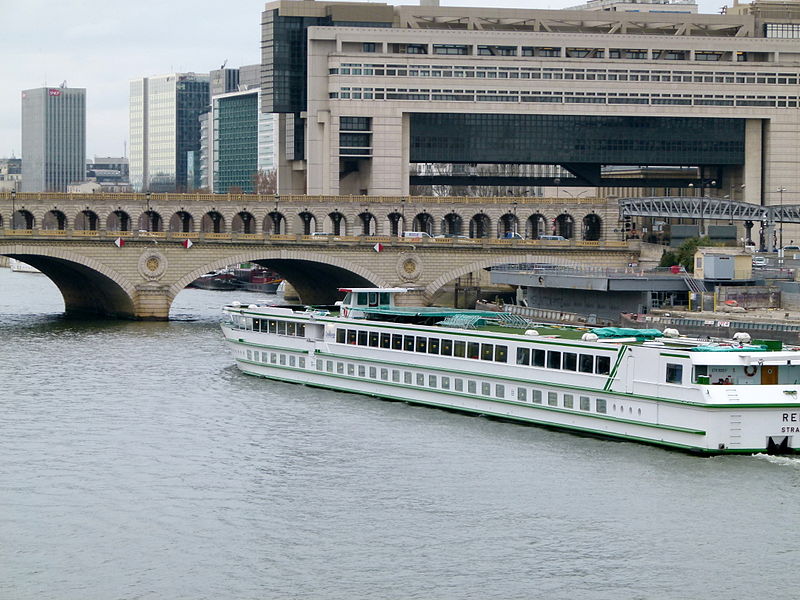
column 369, row 47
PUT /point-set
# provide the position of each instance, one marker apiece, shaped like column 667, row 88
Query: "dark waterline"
column 137, row 462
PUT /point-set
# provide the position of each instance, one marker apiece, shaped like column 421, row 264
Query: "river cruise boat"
column 703, row 396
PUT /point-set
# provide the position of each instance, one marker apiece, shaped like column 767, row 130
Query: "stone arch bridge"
column 136, row 272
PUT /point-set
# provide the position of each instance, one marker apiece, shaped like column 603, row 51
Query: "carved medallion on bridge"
column 152, row 264
column 409, row 267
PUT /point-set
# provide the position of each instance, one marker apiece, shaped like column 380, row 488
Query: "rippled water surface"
column 137, row 462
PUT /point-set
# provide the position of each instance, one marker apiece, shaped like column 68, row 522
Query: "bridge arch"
column 315, row 276
column 88, row 286
column 565, row 225
column 480, row 226
column 118, row 220
column 181, row 222
column 86, row 220
column 535, row 226
column 212, row 222
column 150, row 220
column 22, row 219
column 592, row 227
column 243, row 222
column 54, row 219
column 336, row 223
column 434, row 286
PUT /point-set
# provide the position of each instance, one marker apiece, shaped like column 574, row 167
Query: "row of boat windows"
column 277, row 358
column 279, row 327
column 470, row 386
column 551, row 359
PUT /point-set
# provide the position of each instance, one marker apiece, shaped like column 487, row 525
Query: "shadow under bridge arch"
column 318, row 283
column 88, row 289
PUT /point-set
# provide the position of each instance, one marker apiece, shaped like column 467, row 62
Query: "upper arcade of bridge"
column 246, row 216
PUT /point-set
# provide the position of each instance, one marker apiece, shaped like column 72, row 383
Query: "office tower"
column 53, row 138
column 165, row 131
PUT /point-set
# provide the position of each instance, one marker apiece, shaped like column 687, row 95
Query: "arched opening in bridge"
column 565, row 226
column 368, row 223
column 336, row 223
column 212, row 222
column 118, row 220
column 150, row 221
column 243, row 222
column 308, row 222
column 22, row 219
column 86, row 292
column 274, row 223
column 592, row 227
column 480, row 226
column 395, row 223
column 54, row 219
column 452, row 224
column 181, row 222
column 535, row 226
column 86, row 220
column 423, row 222
column 507, row 226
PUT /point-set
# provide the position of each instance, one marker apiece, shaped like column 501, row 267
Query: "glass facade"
column 560, row 139
column 236, row 142
column 53, row 138
column 165, row 131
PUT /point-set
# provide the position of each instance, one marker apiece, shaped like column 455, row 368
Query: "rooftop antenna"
column 63, row 84
column 223, row 64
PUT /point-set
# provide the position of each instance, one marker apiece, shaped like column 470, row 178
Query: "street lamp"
column 149, row 216
column 780, row 190
column 13, row 207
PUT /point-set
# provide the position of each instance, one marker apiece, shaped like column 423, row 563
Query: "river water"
column 137, row 462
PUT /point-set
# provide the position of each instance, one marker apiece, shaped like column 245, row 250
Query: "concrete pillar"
column 753, row 160
column 151, row 302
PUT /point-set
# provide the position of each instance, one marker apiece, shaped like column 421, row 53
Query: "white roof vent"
column 531, row 332
column 589, row 337
column 671, row 333
column 742, row 337
column 236, row 303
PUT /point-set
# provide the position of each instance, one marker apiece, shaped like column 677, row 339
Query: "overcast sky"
column 102, row 46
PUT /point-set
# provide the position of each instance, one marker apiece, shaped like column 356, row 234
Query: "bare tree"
column 265, row 182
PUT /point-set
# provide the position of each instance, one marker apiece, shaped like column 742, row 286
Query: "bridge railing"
column 322, row 240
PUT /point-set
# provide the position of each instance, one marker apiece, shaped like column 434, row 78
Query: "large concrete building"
column 165, row 131
column 366, row 89
column 53, row 138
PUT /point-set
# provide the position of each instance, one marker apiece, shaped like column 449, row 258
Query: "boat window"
column 397, row 342
column 386, row 340
column 384, row 298
column 486, row 388
column 301, row 330
column 320, row 365
column 487, row 351
column 674, row 373
column 351, row 336
column 422, row 343
column 554, row 360
column 472, row 387
column 385, row 374
column 292, row 360
column 522, row 394
column 433, row 346
column 472, row 349
column 249, row 355
column 373, row 372
column 362, row 371
column 329, row 366
column 408, row 343
column 432, row 381
column 447, row 347
column 272, row 325
column 600, row 405
column 256, row 324
column 373, row 339
column 603, row 365
column 538, row 358
column 362, row 338
column 273, row 357
column 351, row 369
column 420, row 379
column 500, row 390
column 568, row 401
column 407, row 377
column 552, row 398
column 537, row 396
column 282, row 359
column 459, row 349
column 701, row 371
column 396, row 375
column 501, row 353
column 281, row 327
column 373, row 299
column 458, row 384
column 523, row 356
column 301, row 362
column 340, row 368
column 445, row 383
column 570, row 361
column 291, row 328
column 340, row 336
column 361, row 299
column 585, row 403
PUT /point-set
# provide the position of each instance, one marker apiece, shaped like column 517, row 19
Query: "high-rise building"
column 165, row 131
column 53, row 138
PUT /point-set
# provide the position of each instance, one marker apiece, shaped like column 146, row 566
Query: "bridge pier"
column 151, row 302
